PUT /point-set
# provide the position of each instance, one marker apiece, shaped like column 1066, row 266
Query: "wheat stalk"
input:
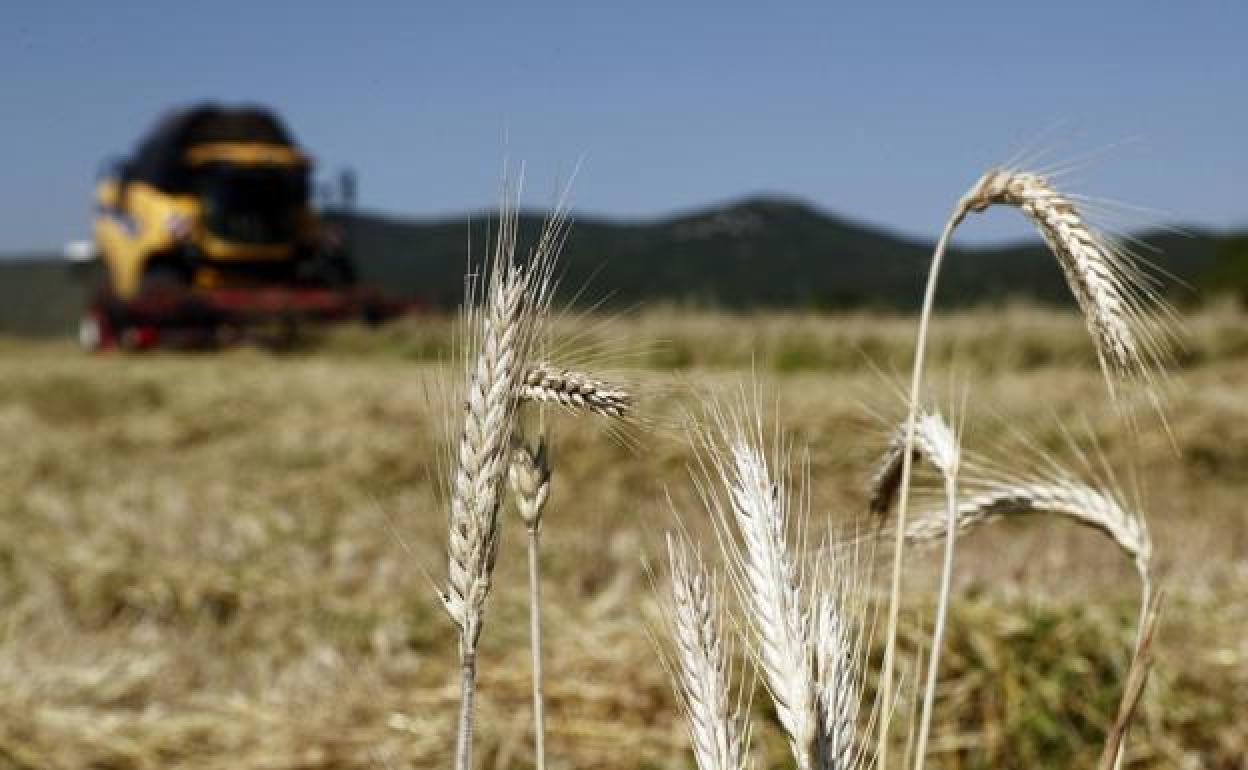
column 1118, row 303
column 478, row 475
column 1062, row 496
column 529, row 477
column 501, row 331
column 546, row 383
column 1133, row 690
column 702, row 669
column 935, row 440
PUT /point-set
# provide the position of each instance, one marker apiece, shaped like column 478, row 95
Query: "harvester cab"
column 208, row 229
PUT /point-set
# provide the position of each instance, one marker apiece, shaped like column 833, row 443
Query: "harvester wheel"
column 139, row 338
column 95, row 331
column 90, row 333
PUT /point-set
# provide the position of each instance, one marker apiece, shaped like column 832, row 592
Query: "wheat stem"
column 467, row 691
column 907, row 461
column 1133, row 689
column 942, row 606
column 502, row 326
column 535, row 647
column 529, row 477
column 1142, row 629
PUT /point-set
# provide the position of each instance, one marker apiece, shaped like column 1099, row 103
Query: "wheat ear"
column 529, row 477
column 1065, row 497
column 1116, row 297
column 702, row 668
column 770, row 586
column 501, row 332
column 1118, row 303
column 839, row 650
column 804, row 634
column 547, row 383
column 933, row 441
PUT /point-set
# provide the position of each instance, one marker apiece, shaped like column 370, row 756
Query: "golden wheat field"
column 228, row 560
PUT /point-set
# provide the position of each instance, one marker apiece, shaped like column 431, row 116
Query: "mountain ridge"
column 754, row 252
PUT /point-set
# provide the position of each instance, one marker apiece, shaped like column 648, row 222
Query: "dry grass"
column 215, row 561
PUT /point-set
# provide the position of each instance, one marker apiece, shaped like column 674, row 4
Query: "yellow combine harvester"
column 208, row 230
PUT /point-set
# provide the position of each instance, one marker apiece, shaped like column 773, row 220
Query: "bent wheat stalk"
column 1061, row 496
column 1117, row 303
column 1133, row 690
column 529, row 476
column 1115, row 296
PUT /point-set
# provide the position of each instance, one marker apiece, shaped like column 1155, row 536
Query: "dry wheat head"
column 1062, row 496
column 702, row 668
column 529, row 477
column 546, row 383
column 802, row 606
column 1123, row 311
column 500, row 335
column 769, row 582
column 838, row 671
column 933, row 441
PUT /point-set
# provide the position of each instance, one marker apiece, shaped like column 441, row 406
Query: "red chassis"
column 180, row 318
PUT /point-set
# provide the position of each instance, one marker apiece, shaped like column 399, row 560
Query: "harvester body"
column 208, row 229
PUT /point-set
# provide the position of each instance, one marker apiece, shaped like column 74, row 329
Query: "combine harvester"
column 208, row 237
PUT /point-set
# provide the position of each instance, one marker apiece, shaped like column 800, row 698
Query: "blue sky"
column 882, row 112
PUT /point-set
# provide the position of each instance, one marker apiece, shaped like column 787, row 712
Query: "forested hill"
column 764, row 252
column 759, row 252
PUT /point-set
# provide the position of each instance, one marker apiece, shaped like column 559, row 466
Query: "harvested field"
column 212, row 561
